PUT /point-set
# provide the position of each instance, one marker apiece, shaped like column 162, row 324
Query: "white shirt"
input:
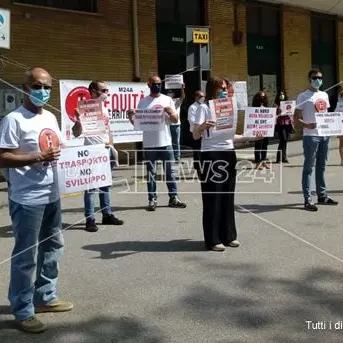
column 177, row 104
column 191, row 115
column 162, row 138
column 310, row 103
column 36, row 184
column 216, row 139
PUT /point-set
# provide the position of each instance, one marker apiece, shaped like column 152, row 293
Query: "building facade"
column 270, row 46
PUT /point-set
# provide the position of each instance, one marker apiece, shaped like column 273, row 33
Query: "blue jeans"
column 315, row 150
column 105, row 203
column 33, row 224
column 175, row 131
column 164, row 154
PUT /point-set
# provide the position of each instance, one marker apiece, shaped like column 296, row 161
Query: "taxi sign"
column 201, row 37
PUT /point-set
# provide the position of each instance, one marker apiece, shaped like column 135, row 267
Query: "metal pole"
column 200, row 66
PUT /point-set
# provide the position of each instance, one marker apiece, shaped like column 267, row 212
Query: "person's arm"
column 183, row 95
column 131, row 115
column 171, row 112
column 77, row 128
column 200, row 122
column 298, row 118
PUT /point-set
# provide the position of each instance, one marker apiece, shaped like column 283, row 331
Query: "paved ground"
column 151, row 281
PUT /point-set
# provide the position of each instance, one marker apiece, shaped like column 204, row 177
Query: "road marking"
column 291, row 234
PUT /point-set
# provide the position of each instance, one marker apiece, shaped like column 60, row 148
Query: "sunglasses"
column 104, row 90
column 316, row 77
column 38, row 87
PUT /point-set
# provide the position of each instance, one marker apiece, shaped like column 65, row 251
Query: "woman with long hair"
column 218, row 177
column 260, row 99
column 339, row 108
column 283, row 128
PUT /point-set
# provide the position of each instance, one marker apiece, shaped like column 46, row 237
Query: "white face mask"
column 201, row 100
column 103, row 97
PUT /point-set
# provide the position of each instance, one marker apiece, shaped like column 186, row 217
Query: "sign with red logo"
column 287, row 107
column 321, row 106
column 73, row 98
column 48, row 139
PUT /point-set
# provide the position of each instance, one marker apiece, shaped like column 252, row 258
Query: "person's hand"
column 131, row 113
column 259, row 136
column 169, row 111
column 77, row 115
column 310, row 126
column 207, row 124
column 50, row 154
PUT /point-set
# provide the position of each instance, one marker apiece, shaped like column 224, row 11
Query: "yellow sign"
column 201, row 37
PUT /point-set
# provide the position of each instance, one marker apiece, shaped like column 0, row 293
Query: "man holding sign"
column 97, row 90
column 29, row 147
column 154, row 115
column 316, row 147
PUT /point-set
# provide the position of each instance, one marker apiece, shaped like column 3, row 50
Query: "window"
column 73, row 5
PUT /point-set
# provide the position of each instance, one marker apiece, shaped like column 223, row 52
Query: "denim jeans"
column 315, row 150
column 105, row 203
column 175, row 131
column 33, row 224
column 165, row 154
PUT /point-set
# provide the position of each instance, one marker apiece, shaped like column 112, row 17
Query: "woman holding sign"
column 218, row 163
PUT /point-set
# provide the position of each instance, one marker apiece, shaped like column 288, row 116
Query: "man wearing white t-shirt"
column 158, row 144
column 175, row 128
column 30, row 143
column 98, row 89
column 315, row 147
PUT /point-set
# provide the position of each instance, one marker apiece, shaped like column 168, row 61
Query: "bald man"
column 157, row 145
column 30, row 142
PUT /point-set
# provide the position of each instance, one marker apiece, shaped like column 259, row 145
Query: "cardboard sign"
column 329, row 123
column 287, row 107
column 84, row 168
column 173, row 81
column 222, row 112
column 259, row 121
column 92, row 118
column 149, row 119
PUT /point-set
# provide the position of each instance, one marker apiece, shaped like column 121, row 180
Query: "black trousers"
column 283, row 132
column 261, row 148
column 196, row 145
column 218, row 182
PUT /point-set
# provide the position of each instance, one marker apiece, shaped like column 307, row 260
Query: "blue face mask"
column 317, row 83
column 222, row 95
column 156, row 88
column 39, row 97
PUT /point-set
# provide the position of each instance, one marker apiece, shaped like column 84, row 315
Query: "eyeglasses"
column 224, row 88
column 38, row 87
column 316, row 77
column 105, row 90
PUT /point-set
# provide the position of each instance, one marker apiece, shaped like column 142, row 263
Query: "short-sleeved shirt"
column 191, row 115
column 215, row 140
column 310, row 103
column 36, row 184
column 162, row 138
column 177, row 104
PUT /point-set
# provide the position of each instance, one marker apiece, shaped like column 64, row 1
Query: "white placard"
column 5, row 28
column 149, row 119
column 329, row 123
column 240, row 91
column 84, row 168
column 173, row 81
column 259, row 121
column 287, row 107
column 122, row 97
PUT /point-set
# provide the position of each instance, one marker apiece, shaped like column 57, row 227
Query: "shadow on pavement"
column 330, row 191
column 115, row 209
column 268, row 208
column 100, row 329
column 115, row 249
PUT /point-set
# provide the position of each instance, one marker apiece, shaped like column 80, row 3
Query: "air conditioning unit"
column 10, row 101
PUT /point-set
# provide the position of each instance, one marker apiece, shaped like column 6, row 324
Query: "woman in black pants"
column 261, row 146
column 284, row 127
column 218, row 177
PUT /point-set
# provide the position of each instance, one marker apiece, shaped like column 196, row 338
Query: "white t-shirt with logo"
column 36, row 184
column 191, row 115
column 162, row 138
column 310, row 103
column 177, row 104
column 215, row 140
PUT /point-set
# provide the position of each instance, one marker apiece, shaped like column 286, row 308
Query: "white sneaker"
column 234, row 244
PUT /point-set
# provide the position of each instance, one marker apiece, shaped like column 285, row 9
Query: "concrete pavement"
column 151, row 281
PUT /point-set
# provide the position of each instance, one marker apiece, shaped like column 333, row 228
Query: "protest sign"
column 149, row 119
column 173, row 81
column 92, row 118
column 222, row 113
column 287, row 107
column 84, row 168
column 339, row 107
column 240, row 92
column 329, row 123
column 122, row 96
column 259, row 121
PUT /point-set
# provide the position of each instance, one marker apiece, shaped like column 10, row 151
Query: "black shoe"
column 152, row 206
column 91, row 226
column 285, row 161
column 310, row 206
column 111, row 220
column 176, row 203
column 327, row 201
